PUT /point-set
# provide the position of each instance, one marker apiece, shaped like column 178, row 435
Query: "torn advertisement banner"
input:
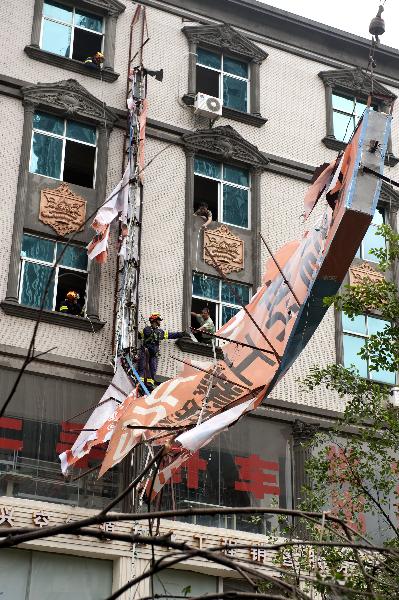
column 120, row 387
column 274, row 324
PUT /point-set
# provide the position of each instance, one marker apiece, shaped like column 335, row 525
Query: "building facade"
column 292, row 91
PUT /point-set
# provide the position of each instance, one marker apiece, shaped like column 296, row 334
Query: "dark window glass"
column 207, row 81
column 236, row 175
column 88, row 21
column 235, row 67
column 38, row 248
column 235, row 206
column 206, row 287
column 79, row 163
column 238, row 469
column 38, row 427
column 355, row 334
column 207, row 167
column 235, row 293
column 35, row 278
column 74, row 256
column 85, row 44
column 372, row 239
column 208, row 58
column 235, row 93
column 70, row 274
column 81, row 132
column 46, row 158
column 50, row 123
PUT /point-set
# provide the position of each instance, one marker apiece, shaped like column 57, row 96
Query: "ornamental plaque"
column 223, row 248
column 359, row 272
column 62, row 209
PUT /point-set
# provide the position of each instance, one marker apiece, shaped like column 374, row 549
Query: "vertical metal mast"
column 128, row 271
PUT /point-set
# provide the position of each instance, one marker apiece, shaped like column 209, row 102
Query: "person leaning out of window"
column 204, row 212
column 206, row 326
column 71, row 304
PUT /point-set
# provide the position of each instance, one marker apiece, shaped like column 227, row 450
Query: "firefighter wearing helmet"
column 151, row 337
column 71, row 304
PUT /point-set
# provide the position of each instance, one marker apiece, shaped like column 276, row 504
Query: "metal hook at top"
column 377, row 25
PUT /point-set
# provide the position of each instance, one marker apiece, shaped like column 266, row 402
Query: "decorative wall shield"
column 361, row 271
column 62, row 209
column 226, row 248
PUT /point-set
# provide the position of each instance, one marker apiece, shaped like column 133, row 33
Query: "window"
column 347, row 112
column 372, row 239
column 355, row 334
column 38, row 257
column 224, row 77
column 224, row 300
column 70, row 33
column 225, row 188
column 237, row 469
column 26, row 574
column 63, row 149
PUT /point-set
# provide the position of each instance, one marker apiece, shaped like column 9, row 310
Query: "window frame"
column 219, row 303
column 72, row 26
column 365, row 336
column 108, row 10
column 223, row 73
column 360, row 253
column 224, row 39
column 24, row 260
column 66, row 98
column 353, row 82
column 64, row 139
column 221, row 182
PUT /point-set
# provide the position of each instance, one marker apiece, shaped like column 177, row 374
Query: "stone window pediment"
column 344, row 85
column 225, row 143
column 71, row 99
column 226, row 41
column 355, row 81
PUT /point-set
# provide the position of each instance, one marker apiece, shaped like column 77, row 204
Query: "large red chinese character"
column 341, row 496
column 254, row 479
column 10, row 424
column 68, row 435
column 193, row 466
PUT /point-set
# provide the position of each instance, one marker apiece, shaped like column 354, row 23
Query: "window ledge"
column 333, row 144
column 69, row 63
column 55, row 318
column 231, row 113
column 186, row 344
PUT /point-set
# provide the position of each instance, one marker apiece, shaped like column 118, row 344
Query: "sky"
column 353, row 16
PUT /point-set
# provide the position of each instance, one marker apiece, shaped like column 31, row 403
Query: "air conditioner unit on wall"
column 208, row 106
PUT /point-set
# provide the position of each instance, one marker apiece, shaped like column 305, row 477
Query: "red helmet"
column 155, row 317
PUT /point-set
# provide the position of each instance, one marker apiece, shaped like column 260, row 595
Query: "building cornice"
column 299, row 34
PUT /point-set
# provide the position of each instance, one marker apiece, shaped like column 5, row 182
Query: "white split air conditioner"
column 208, row 106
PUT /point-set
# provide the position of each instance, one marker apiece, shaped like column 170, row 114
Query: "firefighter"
column 71, row 304
column 151, row 337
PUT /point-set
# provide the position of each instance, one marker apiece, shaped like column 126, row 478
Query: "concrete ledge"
column 70, row 64
column 55, row 318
